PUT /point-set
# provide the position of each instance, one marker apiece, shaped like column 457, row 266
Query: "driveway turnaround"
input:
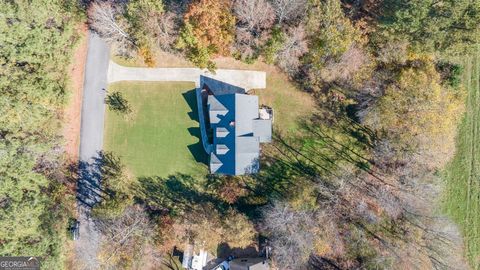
column 91, row 141
column 246, row 79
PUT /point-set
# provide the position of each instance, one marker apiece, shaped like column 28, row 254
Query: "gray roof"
column 237, row 133
column 249, row 264
column 263, row 129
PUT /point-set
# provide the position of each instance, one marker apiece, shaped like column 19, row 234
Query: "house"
column 237, row 126
column 244, row 264
column 203, row 261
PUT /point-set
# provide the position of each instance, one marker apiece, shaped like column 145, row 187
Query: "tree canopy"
column 36, row 39
column 208, row 30
column 418, row 114
column 446, row 26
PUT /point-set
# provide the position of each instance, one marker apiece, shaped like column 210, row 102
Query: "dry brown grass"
column 72, row 110
column 161, row 58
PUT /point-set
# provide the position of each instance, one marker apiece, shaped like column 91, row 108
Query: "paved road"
column 246, row 79
column 91, row 141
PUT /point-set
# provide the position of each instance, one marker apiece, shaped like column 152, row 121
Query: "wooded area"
column 356, row 186
column 36, row 196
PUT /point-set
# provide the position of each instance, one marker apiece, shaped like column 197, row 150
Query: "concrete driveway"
column 91, row 142
column 246, row 79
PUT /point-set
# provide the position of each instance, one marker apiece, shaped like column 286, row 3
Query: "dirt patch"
column 73, row 109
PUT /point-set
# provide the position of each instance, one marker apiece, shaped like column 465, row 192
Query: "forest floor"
column 462, row 200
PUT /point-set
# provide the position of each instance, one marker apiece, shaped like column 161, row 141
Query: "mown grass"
column 161, row 137
column 462, row 196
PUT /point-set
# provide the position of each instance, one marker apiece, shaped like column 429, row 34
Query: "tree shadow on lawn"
column 176, row 193
column 195, row 149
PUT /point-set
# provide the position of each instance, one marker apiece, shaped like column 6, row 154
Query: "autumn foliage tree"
column 208, row 30
column 204, row 225
column 331, row 34
column 418, row 114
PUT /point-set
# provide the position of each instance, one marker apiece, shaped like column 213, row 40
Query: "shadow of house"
column 225, row 251
column 220, row 88
column 195, row 149
column 190, row 98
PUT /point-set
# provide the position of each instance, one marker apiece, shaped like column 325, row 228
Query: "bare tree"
column 293, row 233
column 165, row 30
column 289, row 10
column 105, row 19
column 255, row 18
column 393, row 52
column 124, row 239
column 350, row 65
column 294, row 47
column 254, row 14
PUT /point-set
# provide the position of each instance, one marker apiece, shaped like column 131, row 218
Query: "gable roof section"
column 222, row 114
column 221, row 132
column 222, row 149
column 215, row 163
column 249, row 264
column 215, row 109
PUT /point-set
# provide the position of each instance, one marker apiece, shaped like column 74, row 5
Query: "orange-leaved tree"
column 208, row 30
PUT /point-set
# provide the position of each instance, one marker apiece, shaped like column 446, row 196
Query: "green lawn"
column 462, row 200
column 162, row 136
